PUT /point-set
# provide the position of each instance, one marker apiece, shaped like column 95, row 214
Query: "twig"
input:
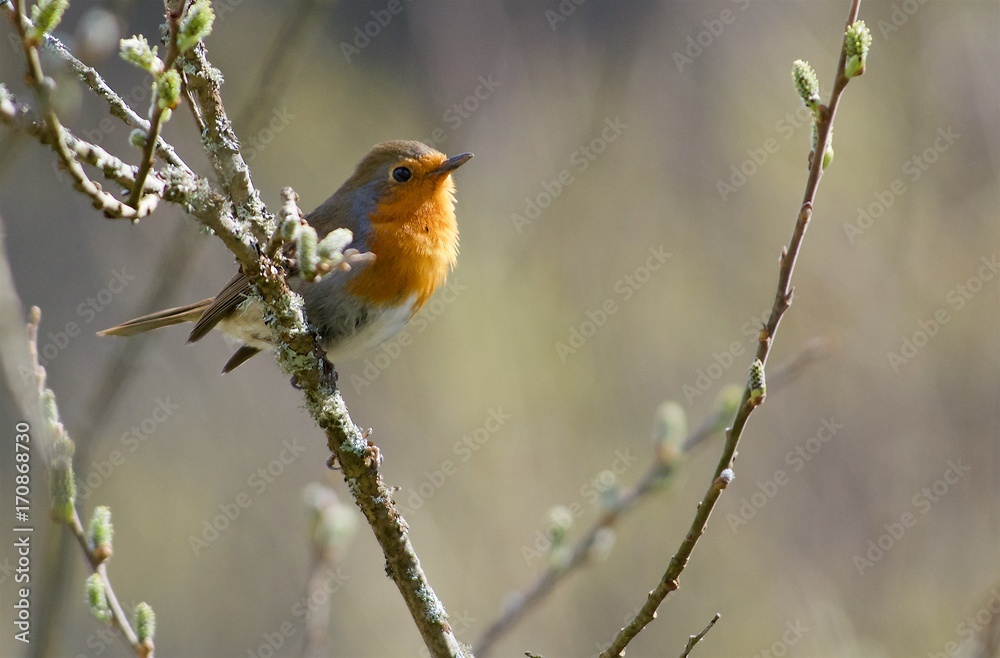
column 57, row 432
column 117, row 106
column 332, row 527
column 695, row 639
column 109, row 205
column 15, row 115
column 114, row 379
column 158, row 114
column 176, row 184
column 203, row 83
column 782, row 300
column 579, row 555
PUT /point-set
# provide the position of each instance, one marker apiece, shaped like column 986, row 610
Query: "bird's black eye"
column 401, row 174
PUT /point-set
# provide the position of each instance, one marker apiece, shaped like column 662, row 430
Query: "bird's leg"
column 329, row 372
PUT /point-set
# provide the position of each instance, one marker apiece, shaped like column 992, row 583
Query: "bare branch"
column 782, row 300
column 695, row 639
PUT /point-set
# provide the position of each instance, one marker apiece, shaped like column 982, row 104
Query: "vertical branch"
column 824, row 116
column 158, row 116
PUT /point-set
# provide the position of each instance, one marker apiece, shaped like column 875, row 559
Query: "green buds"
column 332, row 524
column 828, row 154
column 168, row 89
column 137, row 137
column 46, row 16
column 100, row 533
column 669, row 432
column 757, row 383
column 857, row 41
column 806, row 83
column 314, row 257
column 138, row 52
column 306, row 252
column 145, row 623
column 289, row 229
column 331, row 248
column 62, row 484
column 166, row 81
column 196, row 25
column 97, row 598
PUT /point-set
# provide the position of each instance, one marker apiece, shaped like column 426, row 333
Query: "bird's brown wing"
column 235, row 292
column 331, row 214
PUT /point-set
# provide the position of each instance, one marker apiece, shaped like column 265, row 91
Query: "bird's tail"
column 164, row 318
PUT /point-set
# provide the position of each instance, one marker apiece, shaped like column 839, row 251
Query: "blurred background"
column 638, row 168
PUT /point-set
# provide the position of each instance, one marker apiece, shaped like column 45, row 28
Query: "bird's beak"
column 452, row 163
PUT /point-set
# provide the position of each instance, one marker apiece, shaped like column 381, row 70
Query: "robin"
column 400, row 205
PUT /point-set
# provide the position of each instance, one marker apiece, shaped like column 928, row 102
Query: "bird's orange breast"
column 415, row 241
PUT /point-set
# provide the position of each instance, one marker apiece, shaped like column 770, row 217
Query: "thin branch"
column 117, row 106
column 108, row 204
column 57, row 432
column 16, row 116
column 203, row 83
column 695, row 639
column 158, row 116
column 332, row 526
column 114, row 378
column 782, row 300
column 581, row 552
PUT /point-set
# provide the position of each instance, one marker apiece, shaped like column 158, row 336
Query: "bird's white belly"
column 382, row 324
column 386, row 323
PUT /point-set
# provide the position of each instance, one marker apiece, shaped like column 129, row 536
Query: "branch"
column 176, row 184
column 97, row 547
column 297, row 351
column 203, row 82
column 824, row 116
column 108, row 204
column 117, row 106
column 160, row 112
column 695, row 639
column 332, row 526
column 651, row 482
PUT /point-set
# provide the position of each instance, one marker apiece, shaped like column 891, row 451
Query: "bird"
column 399, row 205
